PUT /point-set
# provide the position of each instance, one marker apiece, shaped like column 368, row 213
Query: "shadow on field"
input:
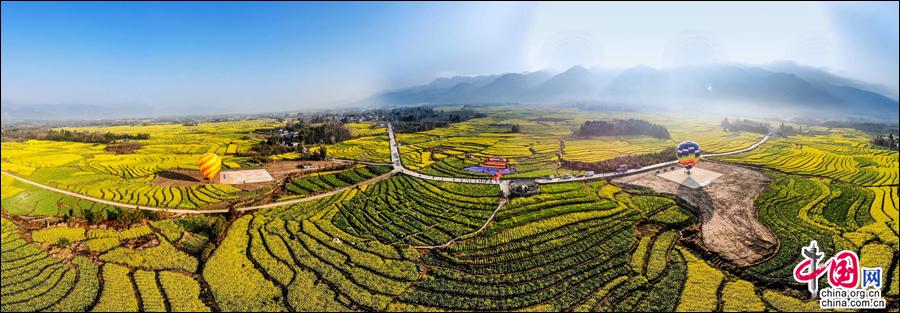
column 177, row 176
column 699, row 199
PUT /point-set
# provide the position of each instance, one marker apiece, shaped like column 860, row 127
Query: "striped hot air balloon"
column 210, row 164
column 688, row 153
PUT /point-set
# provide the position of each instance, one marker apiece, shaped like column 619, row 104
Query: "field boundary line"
column 483, row 227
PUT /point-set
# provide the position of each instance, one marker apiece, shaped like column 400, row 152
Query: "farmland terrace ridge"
column 398, row 168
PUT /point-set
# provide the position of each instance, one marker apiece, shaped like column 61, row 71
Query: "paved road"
column 648, row 167
column 398, row 165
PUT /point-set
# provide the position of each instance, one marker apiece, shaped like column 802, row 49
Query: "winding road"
column 395, row 160
column 398, row 168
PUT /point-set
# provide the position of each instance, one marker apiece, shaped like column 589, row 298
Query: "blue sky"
column 250, row 57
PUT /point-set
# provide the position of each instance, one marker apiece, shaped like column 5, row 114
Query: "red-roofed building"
column 495, row 162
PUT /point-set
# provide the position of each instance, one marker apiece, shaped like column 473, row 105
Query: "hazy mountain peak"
column 781, row 84
column 822, row 74
column 577, row 69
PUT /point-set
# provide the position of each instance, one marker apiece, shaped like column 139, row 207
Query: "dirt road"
column 729, row 227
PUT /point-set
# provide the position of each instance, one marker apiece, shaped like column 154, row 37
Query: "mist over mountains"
column 779, row 88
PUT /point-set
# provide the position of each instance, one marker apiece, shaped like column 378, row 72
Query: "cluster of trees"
column 620, row 127
column 125, row 147
column 611, row 165
column 513, row 128
column 869, row 127
column 787, row 130
column 69, row 135
column 261, row 151
column 318, row 155
column 745, row 125
column 311, row 132
column 298, row 136
column 416, row 119
column 889, row 141
column 122, row 216
column 883, row 134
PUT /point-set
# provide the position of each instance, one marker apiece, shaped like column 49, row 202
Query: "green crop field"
column 326, row 181
column 34, row 280
column 840, row 154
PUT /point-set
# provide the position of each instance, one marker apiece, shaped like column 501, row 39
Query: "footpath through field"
column 483, row 227
column 398, row 168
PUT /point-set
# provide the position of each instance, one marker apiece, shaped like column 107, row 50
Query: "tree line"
column 621, row 127
column 69, row 135
column 890, row 141
column 306, row 132
column 259, row 153
column 513, row 128
column 611, row 165
column 416, row 119
column 745, row 125
column 869, row 127
column 788, row 130
column 883, row 134
column 298, row 136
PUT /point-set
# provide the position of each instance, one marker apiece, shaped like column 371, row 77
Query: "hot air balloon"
column 210, row 164
column 688, row 153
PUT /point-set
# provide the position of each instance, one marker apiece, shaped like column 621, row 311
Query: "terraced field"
column 88, row 169
column 575, row 246
column 107, row 276
column 374, row 148
column 134, row 191
column 532, row 257
column 579, row 247
column 841, row 154
column 417, row 212
column 23, row 199
column 324, row 181
column 837, row 216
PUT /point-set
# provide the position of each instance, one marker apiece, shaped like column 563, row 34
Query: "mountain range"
column 779, row 86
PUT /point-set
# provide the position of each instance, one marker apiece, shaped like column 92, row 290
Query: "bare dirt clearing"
column 282, row 169
column 729, row 224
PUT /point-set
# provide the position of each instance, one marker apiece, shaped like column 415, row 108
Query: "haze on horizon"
column 258, row 57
